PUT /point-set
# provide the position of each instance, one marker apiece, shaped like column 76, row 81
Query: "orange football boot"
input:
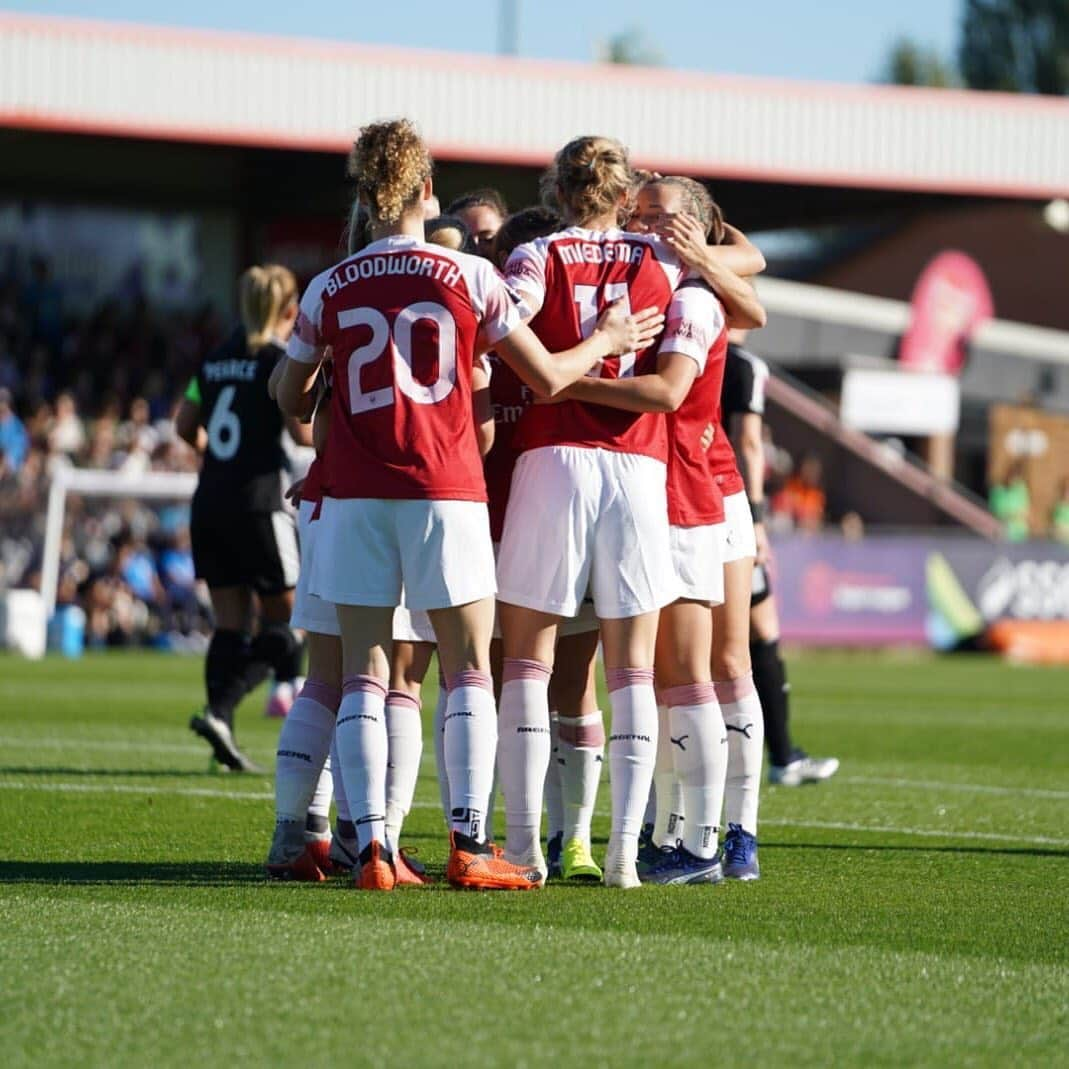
column 319, row 849
column 376, row 870
column 481, row 867
column 290, row 858
column 410, row 873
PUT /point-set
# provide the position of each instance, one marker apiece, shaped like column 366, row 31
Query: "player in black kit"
column 743, row 396
column 244, row 543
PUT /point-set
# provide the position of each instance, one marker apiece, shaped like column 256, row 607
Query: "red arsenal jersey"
column 696, row 328
column 723, row 462
column 565, row 281
column 404, row 320
column 312, row 490
column 511, row 397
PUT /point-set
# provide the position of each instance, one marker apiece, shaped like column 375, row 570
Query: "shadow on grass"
column 150, row 773
column 920, row 848
column 170, row 873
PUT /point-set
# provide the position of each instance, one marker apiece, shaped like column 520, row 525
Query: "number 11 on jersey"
column 587, row 299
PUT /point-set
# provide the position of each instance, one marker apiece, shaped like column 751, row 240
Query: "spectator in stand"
column 1059, row 516
column 1011, row 502
column 42, row 300
column 852, row 527
column 14, row 441
column 67, row 435
column 802, row 499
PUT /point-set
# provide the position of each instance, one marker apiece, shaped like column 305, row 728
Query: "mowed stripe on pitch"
column 263, row 796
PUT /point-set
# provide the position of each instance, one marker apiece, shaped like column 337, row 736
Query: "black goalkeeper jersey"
column 743, row 391
column 244, row 459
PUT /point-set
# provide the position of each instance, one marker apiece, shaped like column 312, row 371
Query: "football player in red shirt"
column 587, row 507
column 686, row 384
column 404, row 505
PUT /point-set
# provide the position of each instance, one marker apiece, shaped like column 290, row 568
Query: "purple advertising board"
column 913, row 590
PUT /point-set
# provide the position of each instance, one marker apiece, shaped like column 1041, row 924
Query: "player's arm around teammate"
column 405, row 481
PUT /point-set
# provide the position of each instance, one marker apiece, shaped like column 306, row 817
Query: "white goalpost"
column 152, row 485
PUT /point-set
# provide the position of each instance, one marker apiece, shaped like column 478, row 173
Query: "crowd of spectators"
column 97, row 389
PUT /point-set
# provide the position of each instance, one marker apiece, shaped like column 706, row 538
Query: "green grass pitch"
column 915, row 910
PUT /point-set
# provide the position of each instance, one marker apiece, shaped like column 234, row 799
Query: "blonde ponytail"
column 590, row 177
column 264, row 293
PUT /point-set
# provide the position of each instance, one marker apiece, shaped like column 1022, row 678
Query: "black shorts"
column 760, row 585
column 252, row 549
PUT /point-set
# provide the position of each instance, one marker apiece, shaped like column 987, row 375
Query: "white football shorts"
column 587, row 518
column 738, row 536
column 697, row 556
column 369, row 550
column 415, row 626
column 309, row 612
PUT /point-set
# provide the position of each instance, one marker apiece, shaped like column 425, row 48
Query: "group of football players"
column 521, row 458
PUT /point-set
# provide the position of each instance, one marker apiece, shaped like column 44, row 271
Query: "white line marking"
column 934, row 833
column 264, row 796
column 971, row 788
column 16, row 742
column 131, row 788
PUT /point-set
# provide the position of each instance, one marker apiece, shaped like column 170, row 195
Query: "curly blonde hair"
column 389, row 163
column 588, row 178
column 264, row 293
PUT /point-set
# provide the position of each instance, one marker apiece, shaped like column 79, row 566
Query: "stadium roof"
column 147, row 82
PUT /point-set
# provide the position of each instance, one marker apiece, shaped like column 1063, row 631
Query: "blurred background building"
column 143, row 167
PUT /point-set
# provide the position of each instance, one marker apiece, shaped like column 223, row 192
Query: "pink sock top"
column 400, row 697
column 521, row 668
column 322, row 693
column 733, row 690
column 365, row 684
column 690, row 694
column 471, row 677
column 617, row 678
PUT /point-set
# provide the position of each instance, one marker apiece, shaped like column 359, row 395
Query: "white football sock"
column 553, row 791
column 523, row 752
column 341, row 801
column 317, row 824
column 697, row 732
column 581, row 753
column 632, row 754
column 746, row 742
column 668, row 820
column 470, row 742
column 303, row 745
column 491, row 805
column 363, row 750
column 404, row 731
column 439, row 747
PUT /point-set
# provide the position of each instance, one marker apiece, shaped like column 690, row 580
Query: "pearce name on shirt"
column 424, row 264
column 230, row 370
